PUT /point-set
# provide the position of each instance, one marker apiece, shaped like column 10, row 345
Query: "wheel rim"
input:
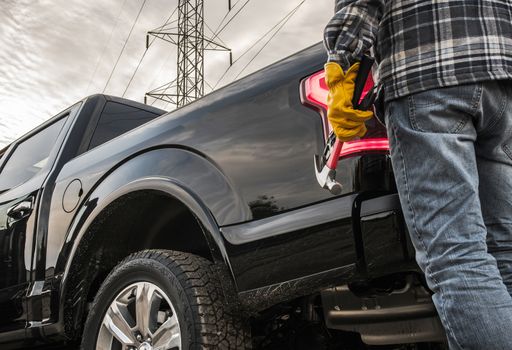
column 141, row 317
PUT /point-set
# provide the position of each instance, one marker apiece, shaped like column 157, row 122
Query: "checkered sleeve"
column 352, row 30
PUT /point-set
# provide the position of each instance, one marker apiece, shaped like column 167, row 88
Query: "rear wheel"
column 162, row 300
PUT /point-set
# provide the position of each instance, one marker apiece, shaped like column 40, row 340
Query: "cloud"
column 55, row 52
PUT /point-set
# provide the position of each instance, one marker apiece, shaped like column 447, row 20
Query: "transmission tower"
column 190, row 39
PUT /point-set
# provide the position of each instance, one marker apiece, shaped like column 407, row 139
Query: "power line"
column 124, row 45
column 135, row 72
column 217, row 32
column 213, row 33
column 105, row 47
column 283, row 21
column 157, row 73
column 225, row 16
column 168, row 19
column 272, row 37
column 236, row 3
column 145, row 51
column 207, row 83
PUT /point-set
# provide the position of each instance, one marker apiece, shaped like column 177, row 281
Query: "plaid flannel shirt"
column 424, row 44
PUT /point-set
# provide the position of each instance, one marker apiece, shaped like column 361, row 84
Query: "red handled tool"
column 325, row 165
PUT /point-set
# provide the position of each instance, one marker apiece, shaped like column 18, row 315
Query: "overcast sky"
column 55, row 52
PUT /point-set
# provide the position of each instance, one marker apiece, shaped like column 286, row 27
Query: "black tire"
column 192, row 286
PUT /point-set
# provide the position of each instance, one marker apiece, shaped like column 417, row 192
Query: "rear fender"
column 182, row 174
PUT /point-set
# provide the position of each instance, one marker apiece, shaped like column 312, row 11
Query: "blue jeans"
column 451, row 150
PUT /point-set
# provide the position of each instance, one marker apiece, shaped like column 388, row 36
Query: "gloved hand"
column 347, row 122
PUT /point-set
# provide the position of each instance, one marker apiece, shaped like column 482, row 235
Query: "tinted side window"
column 117, row 119
column 30, row 156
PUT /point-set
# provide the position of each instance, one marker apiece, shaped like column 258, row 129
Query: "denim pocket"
column 444, row 110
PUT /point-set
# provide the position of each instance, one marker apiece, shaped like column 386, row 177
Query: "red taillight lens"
column 316, row 90
column 314, row 94
column 363, row 146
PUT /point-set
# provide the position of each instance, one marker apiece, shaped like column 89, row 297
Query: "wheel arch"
column 88, row 253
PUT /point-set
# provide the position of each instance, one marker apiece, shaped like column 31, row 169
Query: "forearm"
column 352, row 30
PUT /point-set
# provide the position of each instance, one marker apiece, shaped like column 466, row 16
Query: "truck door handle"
column 20, row 210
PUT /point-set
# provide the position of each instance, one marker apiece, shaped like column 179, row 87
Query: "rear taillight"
column 362, row 146
column 314, row 92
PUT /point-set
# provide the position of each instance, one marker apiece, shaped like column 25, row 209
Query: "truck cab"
column 28, row 167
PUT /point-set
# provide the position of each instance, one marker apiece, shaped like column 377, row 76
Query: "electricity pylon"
column 192, row 43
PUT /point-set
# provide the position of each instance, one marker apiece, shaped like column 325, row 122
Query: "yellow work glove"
column 347, row 122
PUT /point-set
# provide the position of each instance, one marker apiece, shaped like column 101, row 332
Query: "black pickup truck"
column 125, row 227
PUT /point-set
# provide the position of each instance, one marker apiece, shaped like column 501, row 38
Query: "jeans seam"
column 475, row 102
column 495, row 118
column 477, row 97
column 459, row 126
column 412, row 113
column 411, row 209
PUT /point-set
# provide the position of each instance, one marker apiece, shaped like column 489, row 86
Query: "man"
column 446, row 68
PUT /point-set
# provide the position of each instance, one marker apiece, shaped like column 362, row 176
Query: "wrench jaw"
column 326, row 176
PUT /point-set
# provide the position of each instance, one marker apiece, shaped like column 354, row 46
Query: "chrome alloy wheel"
column 141, row 317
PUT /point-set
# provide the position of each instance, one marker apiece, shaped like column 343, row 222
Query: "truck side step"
column 401, row 317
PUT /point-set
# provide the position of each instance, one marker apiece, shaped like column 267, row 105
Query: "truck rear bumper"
column 404, row 316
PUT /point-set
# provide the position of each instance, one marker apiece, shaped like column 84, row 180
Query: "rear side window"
column 30, row 156
column 117, row 119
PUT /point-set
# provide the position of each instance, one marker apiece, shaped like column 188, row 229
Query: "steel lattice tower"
column 190, row 51
column 191, row 42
